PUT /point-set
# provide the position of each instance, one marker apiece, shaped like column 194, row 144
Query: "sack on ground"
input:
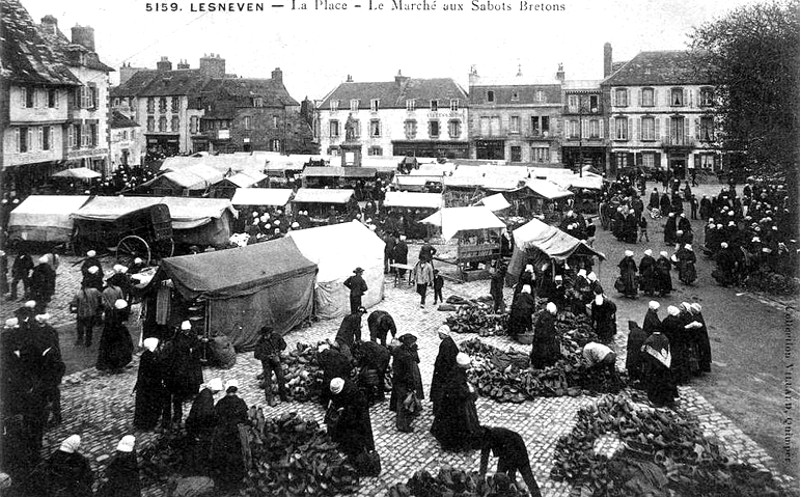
column 223, row 354
column 368, row 463
column 446, row 307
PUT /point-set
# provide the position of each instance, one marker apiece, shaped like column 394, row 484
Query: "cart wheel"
column 164, row 248
column 133, row 246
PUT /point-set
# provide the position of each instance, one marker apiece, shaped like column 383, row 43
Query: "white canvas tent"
column 44, row 218
column 452, row 220
column 262, row 196
column 413, row 200
column 337, row 250
column 495, row 202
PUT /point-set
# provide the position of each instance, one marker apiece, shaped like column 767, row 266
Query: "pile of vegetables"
column 477, row 317
column 451, row 482
column 303, row 375
column 665, row 454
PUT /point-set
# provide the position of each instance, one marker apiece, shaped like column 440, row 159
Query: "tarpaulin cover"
column 496, row 202
column 588, row 181
column 268, row 283
column 320, row 196
column 196, row 177
column 338, row 172
column 186, row 212
column 455, row 219
column 547, row 189
column 44, row 218
column 548, row 239
column 246, row 179
column 222, row 163
column 337, row 250
column 413, row 199
column 78, row 173
column 262, row 196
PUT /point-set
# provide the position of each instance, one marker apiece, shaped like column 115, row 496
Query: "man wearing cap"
column 350, row 330
column 627, row 283
column 67, row 470
column 184, row 373
column 380, row 323
column 456, row 426
column 88, row 308
column 357, row 287
column 268, row 351
column 227, row 459
column 604, row 318
column 406, row 380
column 445, row 362
column 122, row 472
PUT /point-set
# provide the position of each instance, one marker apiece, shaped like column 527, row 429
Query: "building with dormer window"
column 660, row 111
column 407, row 116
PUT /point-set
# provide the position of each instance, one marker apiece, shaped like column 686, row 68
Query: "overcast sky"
column 317, row 49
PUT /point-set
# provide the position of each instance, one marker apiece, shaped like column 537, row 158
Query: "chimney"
column 560, row 73
column 183, row 64
column 212, row 66
column 164, row 64
column 473, row 77
column 349, row 79
column 400, row 78
column 277, row 75
column 50, row 24
column 607, row 59
column 84, row 36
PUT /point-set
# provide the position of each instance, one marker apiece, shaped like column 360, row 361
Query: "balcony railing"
column 678, row 141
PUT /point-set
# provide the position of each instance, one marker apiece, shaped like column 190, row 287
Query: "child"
column 643, row 229
column 438, row 283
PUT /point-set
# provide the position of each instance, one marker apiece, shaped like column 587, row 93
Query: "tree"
column 752, row 57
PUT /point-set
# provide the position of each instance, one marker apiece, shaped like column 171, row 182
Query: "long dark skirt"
column 658, row 381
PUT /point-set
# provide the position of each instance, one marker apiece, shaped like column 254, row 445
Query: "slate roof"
column 64, row 48
column 120, row 120
column 393, row 94
column 668, row 67
column 526, row 94
column 153, row 83
column 272, row 93
column 26, row 56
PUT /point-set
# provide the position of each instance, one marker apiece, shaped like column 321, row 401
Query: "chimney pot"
column 607, row 59
column 84, row 36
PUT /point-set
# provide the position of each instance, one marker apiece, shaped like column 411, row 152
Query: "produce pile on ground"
column 772, row 283
column 293, row 456
column 288, row 456
column 477, row 317
column 505, row 376
column 304, row 378
column 451, row 482
column 665, row 454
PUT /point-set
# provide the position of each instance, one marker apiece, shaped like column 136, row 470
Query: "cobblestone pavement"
column 100, row 406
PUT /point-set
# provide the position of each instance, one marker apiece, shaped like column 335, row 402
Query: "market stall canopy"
column 221, row 163
column 495, row 202
column 44, row 218
column 292, row 162
column 246, row 179
column 185, row 212
column 413, row 200
column 78, row 173
column 433, row 169
column 452, row 220
column 323, row 196
column 262, row 196
column 548, row 190
column 551, row 240
column 338, row 172
column 588, row 181
column 191, row 178
column 382, row 164
column 415, row 181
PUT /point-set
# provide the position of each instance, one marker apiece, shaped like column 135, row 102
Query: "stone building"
column 516, row 119
column 243, row 115
column 124, row 143
column 54, row 94
column 584, row 137
column 660, row 114
column 407, row 116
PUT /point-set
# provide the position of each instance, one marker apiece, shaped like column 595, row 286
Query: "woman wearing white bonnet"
column 683, row 362
column 116, row 347
column 69, row 470
column 520, row 314
column 149, row 388
column 200, row 425
column 123, row 470
column 604, row 318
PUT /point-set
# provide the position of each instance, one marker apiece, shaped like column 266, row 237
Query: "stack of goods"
column 302, row 373
column 450, row 482
column 292, row 456
column 477, row 317
column 665, row 454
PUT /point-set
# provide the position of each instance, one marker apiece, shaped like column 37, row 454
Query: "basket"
column 525, row 338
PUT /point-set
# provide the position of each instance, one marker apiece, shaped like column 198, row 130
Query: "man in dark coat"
column 406, row 380
column 446, row 360
column 350, row 330
column 648, row 273
column 357, row 287
column 227, row 464
column 52, row 368
column 353, row 430
column 510, row 449
column 401, row 254
column 545, row 350
column 268, row 351
column 603, row 313
column 389, row 251
column 122, row 471
column 628, row 275
column 496, row 289
column 373, row 362
column 184, row 373
column 88, row 309
column 380, row 323
column 334, row 364
column 456, row 426
column 21, row 271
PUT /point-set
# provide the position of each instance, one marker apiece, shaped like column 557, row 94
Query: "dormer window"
column 258, row 102
column 540, row 96
column 354, row 105
column 490, row 96
column 334, row 105
column 454, row 104
column 434, row 105
column 410, row 105
column 515, row 96
column 374, row 104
